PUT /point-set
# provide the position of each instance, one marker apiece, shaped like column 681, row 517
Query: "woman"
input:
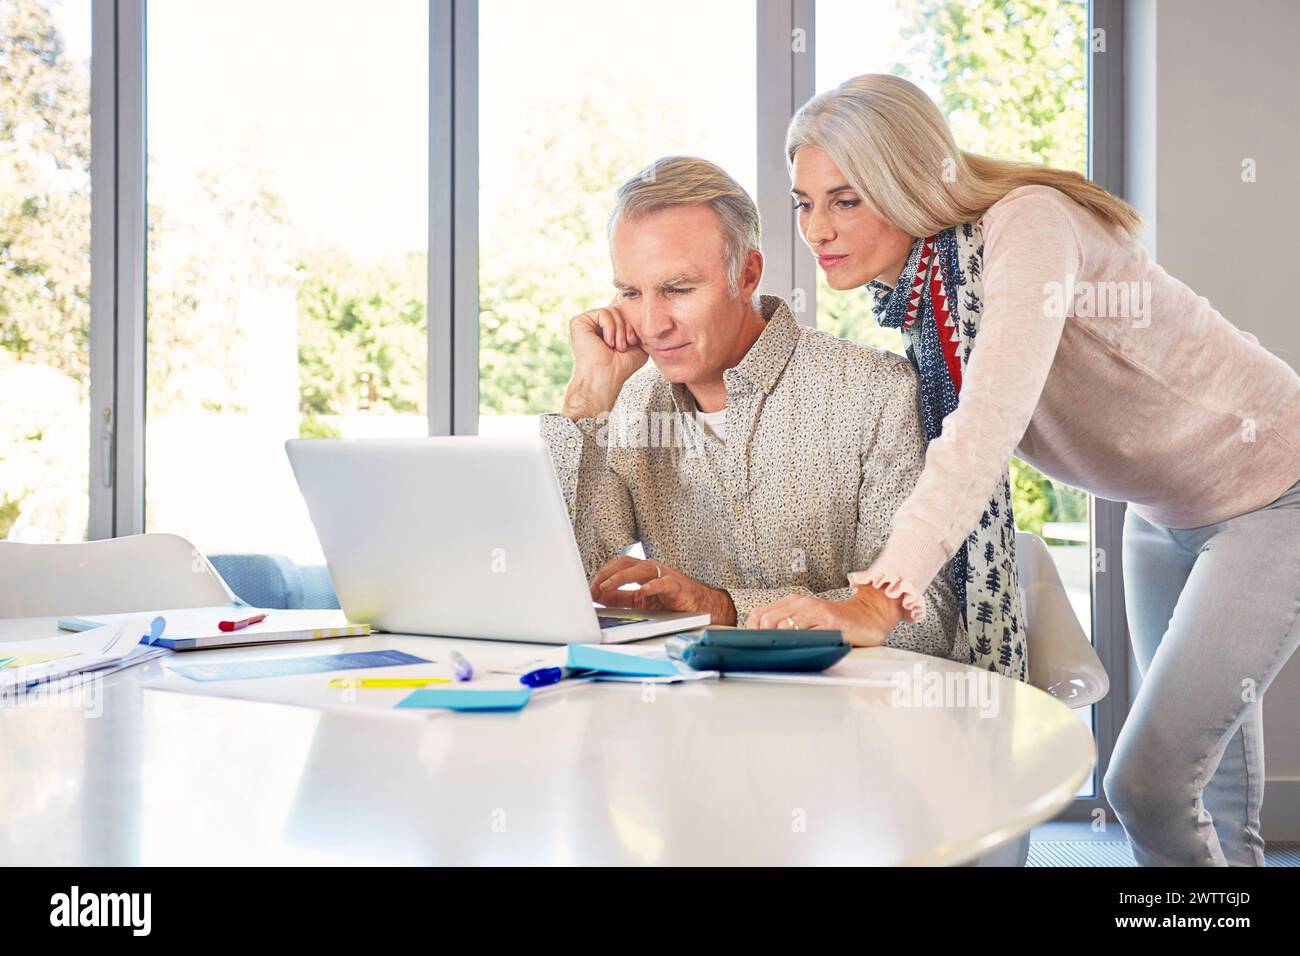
column 1103, row 371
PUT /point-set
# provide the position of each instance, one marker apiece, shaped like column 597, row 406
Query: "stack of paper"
column 102, row 650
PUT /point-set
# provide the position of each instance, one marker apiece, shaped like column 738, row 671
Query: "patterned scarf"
column 937, row 306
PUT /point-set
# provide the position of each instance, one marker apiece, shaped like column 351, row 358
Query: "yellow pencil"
column 345, row 682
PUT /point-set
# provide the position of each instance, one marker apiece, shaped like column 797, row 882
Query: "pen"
column 545, row 676
column 238, row 625
column 343, row 682
column 460, row 667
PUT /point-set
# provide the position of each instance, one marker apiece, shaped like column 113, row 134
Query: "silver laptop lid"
column 463, row 536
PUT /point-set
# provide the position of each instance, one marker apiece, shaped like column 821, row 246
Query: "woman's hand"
column 867, row 619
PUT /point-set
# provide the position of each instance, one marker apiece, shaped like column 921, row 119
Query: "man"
column 751, row 457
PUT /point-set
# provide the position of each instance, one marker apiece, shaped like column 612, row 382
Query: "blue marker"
column 461, row 668
column 545, row 676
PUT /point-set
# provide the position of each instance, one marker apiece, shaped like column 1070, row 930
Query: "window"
column 288, row 225
column 574, row 97
column 44, row 269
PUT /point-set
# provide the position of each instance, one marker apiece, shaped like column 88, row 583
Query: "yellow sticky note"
column 27, row 660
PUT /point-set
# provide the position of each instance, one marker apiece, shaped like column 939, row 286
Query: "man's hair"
column 689, row 181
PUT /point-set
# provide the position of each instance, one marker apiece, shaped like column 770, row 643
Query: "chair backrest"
column 1062, row 661
column 272, row 580
column 136, row 573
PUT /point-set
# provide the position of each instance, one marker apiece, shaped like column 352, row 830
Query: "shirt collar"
column 765, row 360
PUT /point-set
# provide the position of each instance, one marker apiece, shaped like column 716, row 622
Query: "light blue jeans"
column 1214, row 613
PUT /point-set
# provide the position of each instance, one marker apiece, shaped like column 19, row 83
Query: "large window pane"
column 574, row 97
column 44, row 269
column 1012, row 79
column 288, row 196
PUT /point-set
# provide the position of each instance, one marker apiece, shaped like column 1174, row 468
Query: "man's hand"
column 663, row 588
column 606, row 352
column 867, row 618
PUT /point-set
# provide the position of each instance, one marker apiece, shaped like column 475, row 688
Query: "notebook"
column 195, row 628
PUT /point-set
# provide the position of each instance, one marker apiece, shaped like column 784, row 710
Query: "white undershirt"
column 715, row 423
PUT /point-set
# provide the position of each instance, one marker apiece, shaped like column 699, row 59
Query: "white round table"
column 709, row 772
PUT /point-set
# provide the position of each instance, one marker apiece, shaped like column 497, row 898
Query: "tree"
column 44, row 277
column 44, row 194
column 1011, row 74
column 361, row 337
column 545, row 256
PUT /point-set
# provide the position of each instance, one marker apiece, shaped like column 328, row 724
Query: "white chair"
column 116, row 575
column 1062, row 661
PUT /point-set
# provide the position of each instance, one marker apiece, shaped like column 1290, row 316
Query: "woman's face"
column 851, row 244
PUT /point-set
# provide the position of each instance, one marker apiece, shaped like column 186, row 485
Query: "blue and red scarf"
column 937, row 306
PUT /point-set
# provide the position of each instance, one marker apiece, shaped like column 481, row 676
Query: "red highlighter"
column 238, row 625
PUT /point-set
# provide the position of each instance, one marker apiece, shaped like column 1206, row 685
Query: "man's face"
column 672, row 282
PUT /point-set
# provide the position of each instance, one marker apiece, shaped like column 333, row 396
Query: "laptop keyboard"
column 607, row 622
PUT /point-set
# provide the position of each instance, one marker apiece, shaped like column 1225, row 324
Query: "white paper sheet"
column 104, row 649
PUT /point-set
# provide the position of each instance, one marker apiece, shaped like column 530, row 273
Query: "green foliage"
column 362, row 334
column 544, row 256
column 312, row 427
column 1012, row 74
column 10, row 509
column 1037, row 499
column 44, row 194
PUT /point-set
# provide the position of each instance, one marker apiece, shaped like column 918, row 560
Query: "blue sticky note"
column 586, row 657
column 156, row 628
column 454, row 698
column 289, row 666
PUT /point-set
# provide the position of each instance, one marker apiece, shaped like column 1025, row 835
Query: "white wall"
column 1209, row 85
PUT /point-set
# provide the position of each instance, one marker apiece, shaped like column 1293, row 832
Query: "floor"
column 1077, row 844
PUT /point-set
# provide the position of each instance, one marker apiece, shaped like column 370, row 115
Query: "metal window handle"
column 106, row 442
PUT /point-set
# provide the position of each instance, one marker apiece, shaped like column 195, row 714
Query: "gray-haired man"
column 752, row 458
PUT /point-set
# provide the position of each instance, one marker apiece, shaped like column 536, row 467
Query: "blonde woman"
column 1027, row 292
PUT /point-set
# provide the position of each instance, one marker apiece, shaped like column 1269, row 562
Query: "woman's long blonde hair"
column 897, row 152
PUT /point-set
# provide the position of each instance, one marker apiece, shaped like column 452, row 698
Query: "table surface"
column 708, row 772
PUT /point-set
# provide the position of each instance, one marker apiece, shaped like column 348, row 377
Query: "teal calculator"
column 738, row 649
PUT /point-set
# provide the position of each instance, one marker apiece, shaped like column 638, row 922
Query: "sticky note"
column 31, row 660
column 288, row 666
column 454, row 698
column 587, row 657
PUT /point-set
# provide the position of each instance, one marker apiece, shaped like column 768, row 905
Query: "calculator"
column 742, row 649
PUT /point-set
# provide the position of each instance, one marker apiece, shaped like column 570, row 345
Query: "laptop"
column 458, row 537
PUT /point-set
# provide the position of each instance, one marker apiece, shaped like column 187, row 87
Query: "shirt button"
column 737, row 509
column 754, row 583
column 573, row 443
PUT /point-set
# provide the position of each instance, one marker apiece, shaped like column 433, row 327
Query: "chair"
column 272, row 580
column 116, row 575
column 1062, row 661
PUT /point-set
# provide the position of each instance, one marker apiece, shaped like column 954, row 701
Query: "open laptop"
column 457, row 537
